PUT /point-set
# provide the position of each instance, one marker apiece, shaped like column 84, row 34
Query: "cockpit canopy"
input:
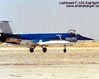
column 71, row 31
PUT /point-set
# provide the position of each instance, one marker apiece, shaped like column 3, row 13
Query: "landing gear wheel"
column 65, row 50
column 44, row 49
column 31, row 50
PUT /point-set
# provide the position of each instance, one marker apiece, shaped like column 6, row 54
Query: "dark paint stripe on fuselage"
column 52, row 36
column 49, row 36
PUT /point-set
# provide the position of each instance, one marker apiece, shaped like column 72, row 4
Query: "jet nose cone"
column 80, row 37
column 86, row 38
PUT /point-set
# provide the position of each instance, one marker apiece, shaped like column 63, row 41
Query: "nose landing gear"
column 64, row 50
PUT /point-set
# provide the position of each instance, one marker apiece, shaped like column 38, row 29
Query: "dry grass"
column 80, row 53
column 80, row 62
column 54, row 56
column 87, row 44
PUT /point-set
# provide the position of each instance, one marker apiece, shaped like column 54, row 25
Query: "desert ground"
column 80, row 62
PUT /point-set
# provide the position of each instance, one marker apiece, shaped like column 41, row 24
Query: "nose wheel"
column 64, row 50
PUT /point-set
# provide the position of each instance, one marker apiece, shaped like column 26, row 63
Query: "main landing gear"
column 44, row 49
column 31, row 50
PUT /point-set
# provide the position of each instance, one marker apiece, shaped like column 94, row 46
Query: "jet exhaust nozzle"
column 2, row 37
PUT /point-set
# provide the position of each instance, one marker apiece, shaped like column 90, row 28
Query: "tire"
column 31, row 50
column 44, row 49
column 64, row 50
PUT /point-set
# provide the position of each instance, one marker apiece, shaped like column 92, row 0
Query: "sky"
column 47, row 16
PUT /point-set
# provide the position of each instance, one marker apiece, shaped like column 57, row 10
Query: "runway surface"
column 77, row 63
column 70, row 71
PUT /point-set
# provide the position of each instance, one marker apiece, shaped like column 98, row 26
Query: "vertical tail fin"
column 5, row 27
